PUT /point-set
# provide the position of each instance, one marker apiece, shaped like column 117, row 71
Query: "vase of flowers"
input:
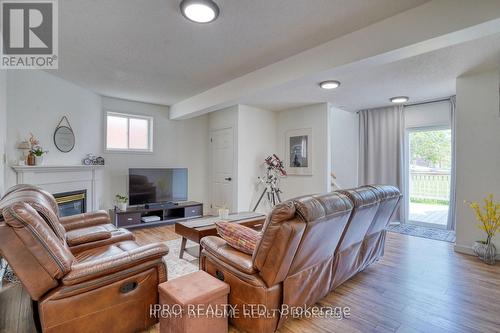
column 121, row 202
column 36, row 151
column 488, row 220
column 30, row 160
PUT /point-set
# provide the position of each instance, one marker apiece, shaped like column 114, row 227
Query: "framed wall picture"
column 298, row 151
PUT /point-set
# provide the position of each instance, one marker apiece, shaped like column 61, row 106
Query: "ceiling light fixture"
column 199, row 11
column 330, row 84
column 400, row 99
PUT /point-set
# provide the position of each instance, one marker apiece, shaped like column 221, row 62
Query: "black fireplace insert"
column 71, row 203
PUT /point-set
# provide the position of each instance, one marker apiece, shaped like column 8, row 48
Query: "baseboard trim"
column 468, row 250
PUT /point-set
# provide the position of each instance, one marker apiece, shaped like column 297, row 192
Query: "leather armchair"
column 107, row 288
column 80, row 232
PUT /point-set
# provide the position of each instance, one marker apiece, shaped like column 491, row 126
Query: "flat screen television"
column 157, row 185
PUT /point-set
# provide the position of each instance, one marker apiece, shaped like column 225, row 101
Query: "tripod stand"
column 271, row 181
column 272, row 192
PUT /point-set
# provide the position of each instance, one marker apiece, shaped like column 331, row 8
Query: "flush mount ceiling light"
column 330, row 84
column 400, row 99
column 199, row 11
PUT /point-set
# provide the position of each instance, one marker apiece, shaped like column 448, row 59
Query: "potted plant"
column 121, row 202
column 38, row 152
column 488, row 220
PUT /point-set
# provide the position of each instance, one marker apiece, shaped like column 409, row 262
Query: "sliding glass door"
column 428, row 175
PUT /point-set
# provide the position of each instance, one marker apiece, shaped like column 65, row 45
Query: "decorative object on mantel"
column 488, row 220
column 24, row 147
column 64, row 137
column 30, row 160
column 35, row 156
column 38, row 152
column 298, row 150
column 91, row 159
column 121, row 202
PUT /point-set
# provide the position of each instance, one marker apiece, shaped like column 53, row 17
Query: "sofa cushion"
column 238, row 236
column 217, row 247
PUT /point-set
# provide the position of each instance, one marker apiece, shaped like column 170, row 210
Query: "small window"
column 126, row 132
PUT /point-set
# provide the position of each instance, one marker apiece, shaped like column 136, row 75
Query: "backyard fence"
column 433, row 186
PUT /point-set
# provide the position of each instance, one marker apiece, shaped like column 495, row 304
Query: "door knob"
column 228, row 179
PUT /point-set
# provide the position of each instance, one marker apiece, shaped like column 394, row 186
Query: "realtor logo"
column 29, row 34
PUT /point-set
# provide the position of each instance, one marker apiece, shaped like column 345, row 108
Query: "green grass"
column 430, row 201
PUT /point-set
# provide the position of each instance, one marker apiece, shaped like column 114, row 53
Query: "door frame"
column 234, row 177
column 406, row 175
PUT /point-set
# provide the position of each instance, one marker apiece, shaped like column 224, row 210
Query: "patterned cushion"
column 238, row 236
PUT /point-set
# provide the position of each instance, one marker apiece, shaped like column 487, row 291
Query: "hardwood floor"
column 420, row 285
column 155, row 234
column 15, row 310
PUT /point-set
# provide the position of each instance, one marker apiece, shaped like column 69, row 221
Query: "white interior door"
column 222, row 154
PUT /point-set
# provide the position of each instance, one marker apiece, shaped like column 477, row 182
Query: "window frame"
column 128, row 116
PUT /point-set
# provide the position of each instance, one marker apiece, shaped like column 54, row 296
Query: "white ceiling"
column 146, row 51
column 428, row 76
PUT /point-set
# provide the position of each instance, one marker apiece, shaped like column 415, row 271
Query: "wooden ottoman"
column 196, row 302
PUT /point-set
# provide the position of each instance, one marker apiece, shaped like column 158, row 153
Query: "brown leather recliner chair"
column 80, row 232
column 107, row 288
column 292, row 264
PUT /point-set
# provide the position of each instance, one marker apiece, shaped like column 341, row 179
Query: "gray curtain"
column 451, row 209
column 381, row 133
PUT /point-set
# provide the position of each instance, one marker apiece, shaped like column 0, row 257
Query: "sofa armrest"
column 87, row 235
column 219, row 248
column 85, row 220
column 93, row 269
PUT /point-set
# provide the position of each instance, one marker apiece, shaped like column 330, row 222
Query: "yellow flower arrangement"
column 488, row 216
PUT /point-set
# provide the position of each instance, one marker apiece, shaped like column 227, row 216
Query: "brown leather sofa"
column 104, row 285
column 309, row 246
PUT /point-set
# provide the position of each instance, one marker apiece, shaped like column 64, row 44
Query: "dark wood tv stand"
column 168, row 212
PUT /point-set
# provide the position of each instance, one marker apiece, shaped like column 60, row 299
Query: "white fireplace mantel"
column 54, row 168
column 64, row 178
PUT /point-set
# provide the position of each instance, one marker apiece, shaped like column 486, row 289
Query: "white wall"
column 37, row 101
column 256, row 141
column 3, row 127
column 175, row 144
column 344, row 127
column 316, row 117
column 478, row 150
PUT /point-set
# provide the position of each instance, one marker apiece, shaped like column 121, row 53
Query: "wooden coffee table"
column 195, row 229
